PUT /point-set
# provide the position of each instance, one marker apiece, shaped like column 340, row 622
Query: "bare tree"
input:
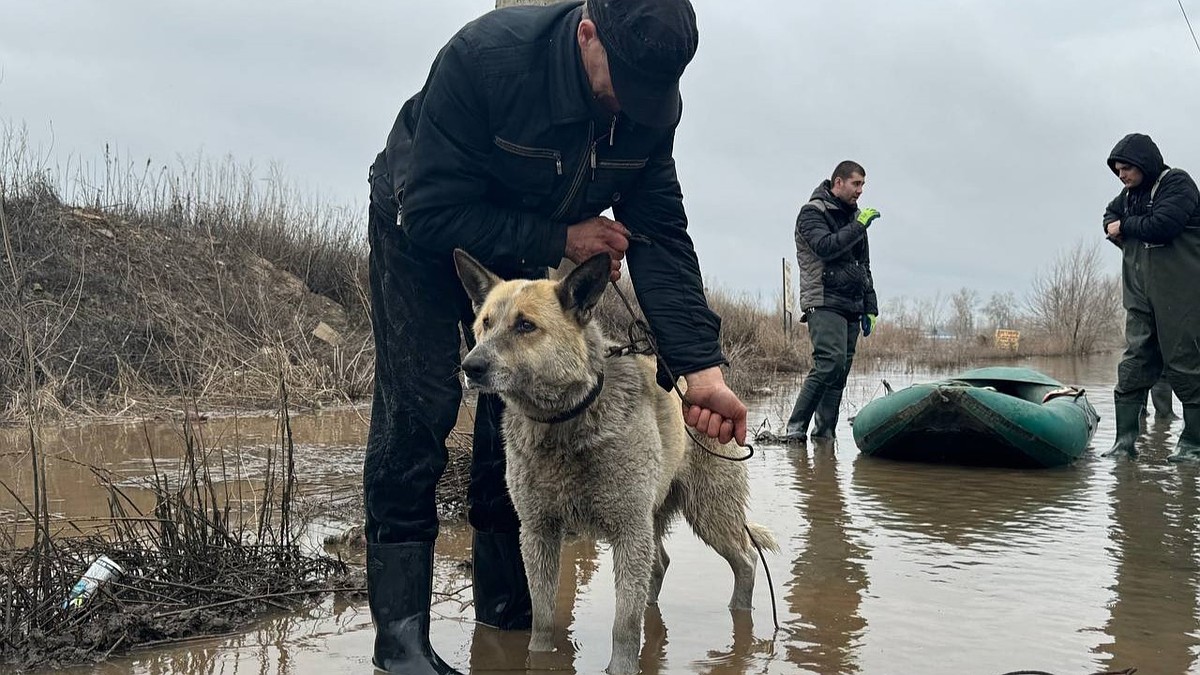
column 1074, row 302
column 900, row 313
column 931, row 313
column 963, row 304
column 1001, row 310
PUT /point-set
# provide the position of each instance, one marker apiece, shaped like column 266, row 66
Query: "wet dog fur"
column 621, row 470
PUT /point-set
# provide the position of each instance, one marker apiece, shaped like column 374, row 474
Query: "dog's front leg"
column 633, row 558
column 540, row 549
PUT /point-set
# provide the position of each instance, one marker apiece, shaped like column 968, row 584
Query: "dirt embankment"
column 102, row 313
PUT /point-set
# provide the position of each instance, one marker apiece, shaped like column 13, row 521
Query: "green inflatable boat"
column 999, row 416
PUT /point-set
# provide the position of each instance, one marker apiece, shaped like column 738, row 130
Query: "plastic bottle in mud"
column 103, row 570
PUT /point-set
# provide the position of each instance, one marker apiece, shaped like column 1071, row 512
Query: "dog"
column 595, row 446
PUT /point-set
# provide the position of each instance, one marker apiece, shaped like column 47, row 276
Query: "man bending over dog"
column 532, row 122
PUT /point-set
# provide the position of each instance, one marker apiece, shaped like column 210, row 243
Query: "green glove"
column 868, row 323
column 867, row 216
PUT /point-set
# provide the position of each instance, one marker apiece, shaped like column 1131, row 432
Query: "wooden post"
column 789, row 301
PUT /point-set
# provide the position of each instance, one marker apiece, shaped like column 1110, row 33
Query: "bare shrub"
column 1074, row 303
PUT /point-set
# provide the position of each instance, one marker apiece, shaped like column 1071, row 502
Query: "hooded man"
column 1156, row 221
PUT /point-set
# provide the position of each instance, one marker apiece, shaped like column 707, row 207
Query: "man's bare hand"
column 712, row 408
column 598, row 235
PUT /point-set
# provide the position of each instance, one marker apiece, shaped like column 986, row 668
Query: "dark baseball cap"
column 649, row 43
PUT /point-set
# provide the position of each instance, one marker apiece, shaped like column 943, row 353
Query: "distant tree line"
column 1071, row 302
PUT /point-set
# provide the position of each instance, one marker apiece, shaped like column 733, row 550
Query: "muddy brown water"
column 885, row 567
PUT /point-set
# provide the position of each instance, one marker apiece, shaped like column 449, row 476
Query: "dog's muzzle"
column 475, row 370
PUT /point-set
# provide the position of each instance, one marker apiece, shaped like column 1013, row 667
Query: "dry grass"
column 137, row 285
column 131, row 283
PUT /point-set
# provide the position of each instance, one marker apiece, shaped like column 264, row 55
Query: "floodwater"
column 885, row 567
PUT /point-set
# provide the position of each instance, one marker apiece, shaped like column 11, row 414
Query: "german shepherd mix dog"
column 595, row 446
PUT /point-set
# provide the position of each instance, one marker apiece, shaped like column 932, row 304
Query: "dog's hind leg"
column 540, row 550
column 633, row 558
column 661, row 562
column 732, row 544
column 716, row 512
column 662, row 524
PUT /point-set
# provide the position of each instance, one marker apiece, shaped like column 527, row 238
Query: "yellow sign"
column 1007, row 339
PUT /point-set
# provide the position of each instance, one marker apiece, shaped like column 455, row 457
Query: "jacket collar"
column 570, row 92
column 824, row 192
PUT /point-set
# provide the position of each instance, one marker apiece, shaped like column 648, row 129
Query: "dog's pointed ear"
column 579, row 292
column 476, row 278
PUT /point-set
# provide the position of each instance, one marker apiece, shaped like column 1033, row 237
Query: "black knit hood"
column 1140, row 151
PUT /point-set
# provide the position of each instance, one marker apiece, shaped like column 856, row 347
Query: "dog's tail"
column 761, row 537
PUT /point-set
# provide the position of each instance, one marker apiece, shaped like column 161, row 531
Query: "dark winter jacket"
column 1160, row 235
column 504, row 147
column 833, row 256
column 1159, row 218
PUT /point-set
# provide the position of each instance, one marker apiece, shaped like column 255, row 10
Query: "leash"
column 641, row 341
column 1127, row 671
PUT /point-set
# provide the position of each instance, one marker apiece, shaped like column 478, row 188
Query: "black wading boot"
column 500, row 586
column 399, row 589
column 1129, row 425
column 1160, row 396
column 826, row 417
column 802, row 413
column 1187, row 449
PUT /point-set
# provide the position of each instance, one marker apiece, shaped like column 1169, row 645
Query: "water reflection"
column 744, row 654
column 328, row 453
column 828, row 579
column 1153, row 623
column 992, row 570
column 495, row 651
column 887, row 567
column 967, row 506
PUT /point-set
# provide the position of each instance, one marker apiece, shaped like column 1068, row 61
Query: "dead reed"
column 216, row 550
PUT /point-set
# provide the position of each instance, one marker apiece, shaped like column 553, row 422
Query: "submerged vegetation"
column 203, row 545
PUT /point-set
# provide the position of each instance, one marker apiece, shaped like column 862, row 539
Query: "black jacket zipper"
column 537, row 153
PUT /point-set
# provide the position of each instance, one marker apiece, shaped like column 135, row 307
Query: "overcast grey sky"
column 983, row 124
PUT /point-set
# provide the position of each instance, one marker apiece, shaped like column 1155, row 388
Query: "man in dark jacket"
column 837, row 294
column 1156, row 221
column 532, row 122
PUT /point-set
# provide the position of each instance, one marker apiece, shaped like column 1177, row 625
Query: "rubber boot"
column 500, row 586
column 1160, row 396
column 826, row 417
column 1129, row 423
column 399, row 589
column 802, row 412
column 1187, row 449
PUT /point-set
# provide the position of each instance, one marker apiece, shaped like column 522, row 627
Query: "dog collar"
column 577, row 410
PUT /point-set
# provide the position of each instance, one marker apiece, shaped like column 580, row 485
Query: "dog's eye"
column 487, row 322
column 524, row 326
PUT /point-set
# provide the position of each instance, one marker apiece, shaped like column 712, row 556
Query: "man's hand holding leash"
column 714, row 409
